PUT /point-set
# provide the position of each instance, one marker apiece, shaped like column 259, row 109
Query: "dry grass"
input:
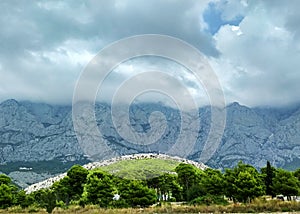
column 258, row 206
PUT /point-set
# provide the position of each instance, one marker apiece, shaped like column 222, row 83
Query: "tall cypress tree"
column 269, row 179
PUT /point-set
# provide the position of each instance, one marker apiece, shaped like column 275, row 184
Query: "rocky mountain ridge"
column 31, row 133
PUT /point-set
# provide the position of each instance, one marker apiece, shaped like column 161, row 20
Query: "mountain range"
column 38, row 140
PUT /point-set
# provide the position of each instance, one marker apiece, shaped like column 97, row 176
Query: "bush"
column 34, row 208
column 61, row 204
column 172, row 199
column 121, row 203
column 208, row 200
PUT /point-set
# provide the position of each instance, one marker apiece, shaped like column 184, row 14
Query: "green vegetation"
column 243, row 183
column 206, row 190
column 286, row 183
column 141, row 169
column 268, row 176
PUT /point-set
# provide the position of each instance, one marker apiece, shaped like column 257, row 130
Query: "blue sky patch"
column 213, row 17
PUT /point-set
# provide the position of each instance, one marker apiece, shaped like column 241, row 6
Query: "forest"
column 188, row 184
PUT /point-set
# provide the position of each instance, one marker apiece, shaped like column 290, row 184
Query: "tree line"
column 242, row 183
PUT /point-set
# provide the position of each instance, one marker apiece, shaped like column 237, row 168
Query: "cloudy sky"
column 253, row 46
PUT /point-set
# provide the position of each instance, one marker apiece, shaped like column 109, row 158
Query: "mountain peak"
column 234, row 104
column 10, row 102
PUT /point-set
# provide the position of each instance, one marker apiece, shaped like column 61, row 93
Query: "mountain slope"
column 31, row 133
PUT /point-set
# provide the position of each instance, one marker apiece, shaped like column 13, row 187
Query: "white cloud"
column 135, row 69
column 259, row 65
column 237, row 30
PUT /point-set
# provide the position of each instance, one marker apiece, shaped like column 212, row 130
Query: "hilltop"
column 127, row 167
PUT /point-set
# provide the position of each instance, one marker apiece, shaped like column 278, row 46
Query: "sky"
column 252, row 46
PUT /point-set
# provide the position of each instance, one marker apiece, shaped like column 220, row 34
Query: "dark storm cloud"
column 42, row 25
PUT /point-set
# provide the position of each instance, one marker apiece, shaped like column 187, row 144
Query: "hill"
column 138, row 166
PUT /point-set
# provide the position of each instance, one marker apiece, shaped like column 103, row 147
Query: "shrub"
column 208, row 200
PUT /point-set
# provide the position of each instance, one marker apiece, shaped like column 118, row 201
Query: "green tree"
column 188, row 176
column 99, row 189
column 243, row 183
column 248, row 186
column 63, row 190
column 166, row 185
column 23, row 199
column 194, row 192
column 286, row 183
column 6, row 196
column 8, row 191
column 45, row 198
column 4, row 179
column 212, row 182
column 77, row 178
column 229, row 180
column 268, row 173
column 71, row 186
column 297, row 174
column 135, row 193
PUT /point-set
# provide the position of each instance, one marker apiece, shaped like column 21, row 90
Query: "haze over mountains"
column 35, row 133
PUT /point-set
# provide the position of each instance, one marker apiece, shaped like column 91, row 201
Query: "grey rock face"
column 23, row 179
column 25, row 137
column 257, row 135
column 39, row 132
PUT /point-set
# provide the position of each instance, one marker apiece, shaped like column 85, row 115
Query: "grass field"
column 141, row 169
